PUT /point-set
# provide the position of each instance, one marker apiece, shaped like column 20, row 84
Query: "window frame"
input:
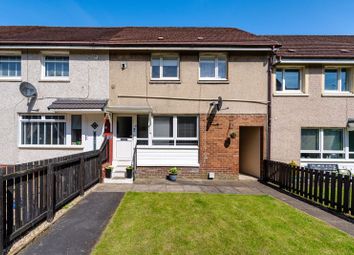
column 12, row 54
column 137, row 130
column 216, row 57
column 71, row 129
column 289, row 91
column 174, row 137
column 339, row 79
column 43, row 67
column 321, row 151
column 42, row 119
column 161, row 57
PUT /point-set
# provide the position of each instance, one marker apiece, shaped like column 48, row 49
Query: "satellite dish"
column 27, row 89
column 219, row 104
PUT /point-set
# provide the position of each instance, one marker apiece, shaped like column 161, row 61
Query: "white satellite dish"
column 27, row 89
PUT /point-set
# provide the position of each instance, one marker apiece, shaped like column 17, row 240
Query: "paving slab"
column 78, row 230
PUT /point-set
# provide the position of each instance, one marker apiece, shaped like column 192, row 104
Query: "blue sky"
column 256, row 16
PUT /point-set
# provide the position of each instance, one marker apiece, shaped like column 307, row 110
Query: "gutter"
column 315, row 61
column 137, row 48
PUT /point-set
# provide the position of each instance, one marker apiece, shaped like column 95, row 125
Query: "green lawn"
column 191, row 223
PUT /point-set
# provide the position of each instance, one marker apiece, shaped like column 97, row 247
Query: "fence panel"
column 32, row 192
column 332, row 190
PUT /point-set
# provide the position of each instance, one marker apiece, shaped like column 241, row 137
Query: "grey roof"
column 78, row 104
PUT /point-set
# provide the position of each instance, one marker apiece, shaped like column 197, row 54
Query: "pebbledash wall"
column 88, row 79
column 312, row 108
column 247, row 81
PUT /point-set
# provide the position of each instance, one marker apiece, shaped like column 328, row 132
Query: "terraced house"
column 312, row 101
column 51, row 93
column 211, row 101
column 195, row 98
column 164, row 90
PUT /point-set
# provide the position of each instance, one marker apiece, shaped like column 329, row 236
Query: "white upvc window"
column 323, row 143
column 337, row 79
column 55, row 67
column 213, row 67
column 10, row 67
column 142, row 129
column 164, row 67
column 351, row 144
column 288, row 80
column 42, row 129
column 180, row 130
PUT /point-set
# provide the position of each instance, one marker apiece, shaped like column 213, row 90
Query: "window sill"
column 54, row 80
column 295, row 94
column 339, row 94
column 213, row 82
column 72, row 147
column 165, row 82
column 10, row 79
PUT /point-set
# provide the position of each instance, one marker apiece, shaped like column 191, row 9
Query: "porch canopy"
column 78, row 105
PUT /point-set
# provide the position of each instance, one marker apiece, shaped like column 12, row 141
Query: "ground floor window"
column 50, row 129
column 43, row 129
column 327, row 143
column 76, row 130
column 173, row 130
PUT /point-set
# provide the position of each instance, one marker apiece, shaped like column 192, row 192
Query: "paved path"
column 245, row 186
column 79, row 229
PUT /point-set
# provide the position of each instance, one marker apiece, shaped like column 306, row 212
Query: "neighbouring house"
column 312, row 101
column 71, row 89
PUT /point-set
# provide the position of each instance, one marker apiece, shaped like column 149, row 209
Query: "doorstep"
column 118, row 180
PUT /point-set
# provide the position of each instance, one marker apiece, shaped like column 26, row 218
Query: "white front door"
column 124, row 140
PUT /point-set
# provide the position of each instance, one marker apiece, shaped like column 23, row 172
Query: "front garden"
column 191, row 223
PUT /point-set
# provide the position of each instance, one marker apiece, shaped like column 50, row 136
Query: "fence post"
column 82, row 176
column 50, row 193
column 2, row 197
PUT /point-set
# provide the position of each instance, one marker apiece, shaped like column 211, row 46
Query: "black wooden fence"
column 329, row 189
column 32, row 192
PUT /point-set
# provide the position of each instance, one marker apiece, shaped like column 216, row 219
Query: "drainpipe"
column 271, row 62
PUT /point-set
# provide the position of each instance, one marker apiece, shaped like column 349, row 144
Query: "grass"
column 191, row 223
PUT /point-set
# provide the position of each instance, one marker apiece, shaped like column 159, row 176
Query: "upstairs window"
column 288, row 80
column 165, row 68
column 213, row 67
column 10, row 66
column 56, row 66
column 337, row 80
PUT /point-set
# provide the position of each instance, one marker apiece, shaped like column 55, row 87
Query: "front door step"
column 118, row 180
column 119, row 175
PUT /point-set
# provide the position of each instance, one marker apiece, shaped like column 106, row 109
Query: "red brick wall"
column 217, row 151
